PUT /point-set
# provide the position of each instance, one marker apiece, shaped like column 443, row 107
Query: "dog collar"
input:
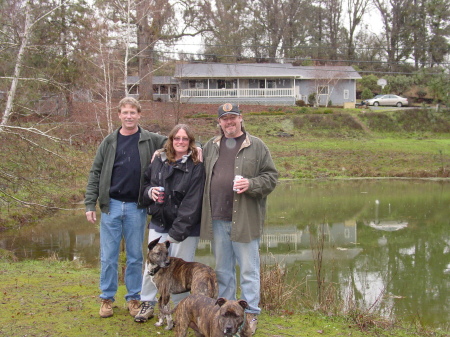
column 237, row 334
column 153, row 271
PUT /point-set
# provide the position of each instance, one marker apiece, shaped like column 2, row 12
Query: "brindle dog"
column 211, row 318
column 173, row 275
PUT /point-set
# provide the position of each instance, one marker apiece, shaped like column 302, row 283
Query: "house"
column 165, row 88
column 265, row 83
column 254, row 83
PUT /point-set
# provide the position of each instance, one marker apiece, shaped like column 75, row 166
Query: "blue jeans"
column 123, row 220
column 227, row 253
column 184, row 250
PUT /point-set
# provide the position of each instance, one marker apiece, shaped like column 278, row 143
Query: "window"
column 227, row 84
column 346, row 94
column 322, row 90
column 198, row 84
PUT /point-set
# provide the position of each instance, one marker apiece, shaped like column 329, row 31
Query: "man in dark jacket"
column 115, row 182
column 233, row 213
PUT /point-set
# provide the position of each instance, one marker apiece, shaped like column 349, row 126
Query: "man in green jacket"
column 233, row 210
column 115, row 182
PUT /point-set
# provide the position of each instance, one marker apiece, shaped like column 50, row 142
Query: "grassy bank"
column 54, row 298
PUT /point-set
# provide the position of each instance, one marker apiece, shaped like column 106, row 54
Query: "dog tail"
column 165, row 311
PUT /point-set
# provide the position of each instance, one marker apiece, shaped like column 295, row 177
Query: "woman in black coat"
column 178, row 169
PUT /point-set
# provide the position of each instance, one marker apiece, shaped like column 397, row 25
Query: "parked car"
column 393, row 100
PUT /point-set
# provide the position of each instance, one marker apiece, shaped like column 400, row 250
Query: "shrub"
column 421, row 93
column 366, row 94
column 300, row 102
column 312, row 99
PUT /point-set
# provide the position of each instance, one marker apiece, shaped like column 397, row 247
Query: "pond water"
column 386, row 239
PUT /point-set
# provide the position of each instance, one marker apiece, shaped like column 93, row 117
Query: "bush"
column 366, row 94
column 300, row 102
column 421, row 93
column 312, row 99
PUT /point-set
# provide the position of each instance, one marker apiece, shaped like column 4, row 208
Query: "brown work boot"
column 133, row 307
column 253, row 322
column 106, row 309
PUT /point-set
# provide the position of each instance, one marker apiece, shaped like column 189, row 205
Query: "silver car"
column 393, row 100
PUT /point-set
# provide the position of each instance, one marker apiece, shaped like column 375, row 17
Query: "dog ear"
column 221, row 301
column 167, row 244
column 153, row 243
column 243, row 304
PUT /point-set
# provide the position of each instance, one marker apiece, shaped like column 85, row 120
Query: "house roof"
column 327, row 72
column 262, row 70
column 234, row 70
column 156, row 80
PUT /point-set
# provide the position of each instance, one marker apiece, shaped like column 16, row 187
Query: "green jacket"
column 253, row 162
column 99, row 180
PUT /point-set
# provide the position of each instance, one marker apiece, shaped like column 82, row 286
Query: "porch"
column 275, row 96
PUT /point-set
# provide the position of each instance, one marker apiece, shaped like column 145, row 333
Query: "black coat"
column 183, row 182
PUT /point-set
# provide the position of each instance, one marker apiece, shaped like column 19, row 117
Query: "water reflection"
column 386, row 239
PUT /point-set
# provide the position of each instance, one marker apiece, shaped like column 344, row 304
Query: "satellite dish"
column 382, row 82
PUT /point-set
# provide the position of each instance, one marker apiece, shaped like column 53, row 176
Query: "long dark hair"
column 170, row 151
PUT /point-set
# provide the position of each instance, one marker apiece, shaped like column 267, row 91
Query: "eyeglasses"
column 178, row 139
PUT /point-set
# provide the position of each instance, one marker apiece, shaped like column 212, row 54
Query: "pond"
column 386, row 239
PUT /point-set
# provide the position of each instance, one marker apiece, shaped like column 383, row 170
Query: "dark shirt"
column 125, row 180
column 222, row 178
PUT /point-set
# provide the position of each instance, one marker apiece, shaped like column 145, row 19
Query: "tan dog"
column 173, row 275
column 211, row 318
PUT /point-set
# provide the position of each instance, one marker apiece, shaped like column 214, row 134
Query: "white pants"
column 184, row 250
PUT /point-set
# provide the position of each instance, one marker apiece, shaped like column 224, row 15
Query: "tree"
column 439, row 27
column 157, row 22
column 333, row 19
column 274, row 28
column 227, row 28
column 399, row 84
column 369, row 82
column 419, row 33
column 25, row 37
column 355, row 12
column 396, row 17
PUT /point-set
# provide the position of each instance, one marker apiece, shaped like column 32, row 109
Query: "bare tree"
column 20, row 55
column 355, row 12
column 228, row 27
column 25, row 34
column 157, row 22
